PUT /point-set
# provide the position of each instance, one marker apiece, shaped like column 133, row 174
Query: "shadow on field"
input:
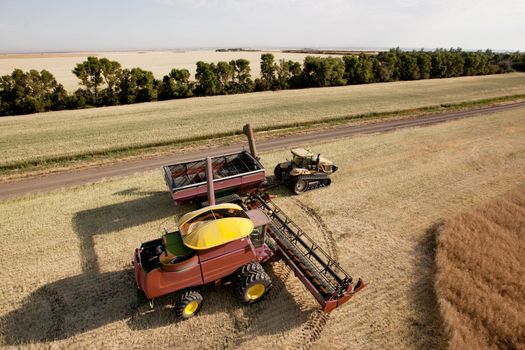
column 81, row 303
column 116, row 217
column 70, row 306
column 222, row 299
column 426, row 327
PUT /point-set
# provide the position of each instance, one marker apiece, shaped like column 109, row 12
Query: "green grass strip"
column 114, row 152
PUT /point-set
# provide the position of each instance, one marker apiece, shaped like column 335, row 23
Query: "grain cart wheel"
column 300, row 186
column 253, row 287
column 189, row 304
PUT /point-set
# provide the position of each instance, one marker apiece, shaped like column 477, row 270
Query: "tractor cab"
column 302, row 158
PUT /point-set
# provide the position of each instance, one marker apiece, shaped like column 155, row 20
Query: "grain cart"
column 227, row 243
column 305, row 171
column 234, row 173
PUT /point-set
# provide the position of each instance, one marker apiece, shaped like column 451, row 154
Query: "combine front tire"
column 253, row 287
column 189, row 304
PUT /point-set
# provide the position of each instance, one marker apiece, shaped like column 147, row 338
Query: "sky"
column 114, row 25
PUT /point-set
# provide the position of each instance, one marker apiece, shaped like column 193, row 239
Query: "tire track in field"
column 328, row 235
column 313, row 328
column 267, row 314
column 262, row 310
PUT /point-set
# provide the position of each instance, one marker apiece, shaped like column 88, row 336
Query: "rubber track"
column 310, row 179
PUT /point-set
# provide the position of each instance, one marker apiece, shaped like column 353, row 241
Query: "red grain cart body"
column 232, row 173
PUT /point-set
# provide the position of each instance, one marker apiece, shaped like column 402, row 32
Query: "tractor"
column 305, row 171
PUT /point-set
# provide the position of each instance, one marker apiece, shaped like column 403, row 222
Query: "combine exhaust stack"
column 322, row 275
column 209, row 181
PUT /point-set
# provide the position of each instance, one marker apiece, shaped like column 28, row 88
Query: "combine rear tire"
column 189, row 304
column 300, row 186
column 253, row 287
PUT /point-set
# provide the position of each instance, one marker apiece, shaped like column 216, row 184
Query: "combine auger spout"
column 326, row 280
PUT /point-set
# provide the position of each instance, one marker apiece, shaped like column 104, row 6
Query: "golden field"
column 67, row 279
column 66, row 133
column 159, row 63
column 479, row 284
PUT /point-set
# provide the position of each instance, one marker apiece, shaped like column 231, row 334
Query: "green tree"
column 176, row 84
column 207, row 81
column 323, row 71
column 454, row 62
column 96, row 74
column 31, row 92
column 424, row 63
column 352, row 67
column 225, row 74
column 519, row 62
column 366, row 69
column 438, row 64
column 288, row 74
column 136, row 85
column 242, row 81
column 268, row 71
column 409, row 66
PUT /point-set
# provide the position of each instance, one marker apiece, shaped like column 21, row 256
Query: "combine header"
column 322, row 275
column 229, row 239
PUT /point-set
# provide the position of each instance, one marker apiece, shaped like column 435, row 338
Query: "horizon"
column 256, row 49
column 30, row 26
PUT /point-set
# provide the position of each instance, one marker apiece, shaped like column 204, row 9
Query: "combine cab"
column 305, row 171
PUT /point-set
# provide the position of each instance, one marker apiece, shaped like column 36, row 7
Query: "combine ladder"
column 326, row 280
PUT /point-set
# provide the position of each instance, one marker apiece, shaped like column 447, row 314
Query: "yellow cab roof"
column 301, row 152
column 207, row 228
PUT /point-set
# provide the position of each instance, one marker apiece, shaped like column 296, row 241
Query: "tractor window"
column 298, row 161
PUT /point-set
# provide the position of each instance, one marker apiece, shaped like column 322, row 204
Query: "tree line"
column 105, row 83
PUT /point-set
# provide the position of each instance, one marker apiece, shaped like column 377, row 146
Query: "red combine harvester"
column 229, row 242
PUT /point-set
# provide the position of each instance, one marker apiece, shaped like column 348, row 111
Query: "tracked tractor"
column 305, row 171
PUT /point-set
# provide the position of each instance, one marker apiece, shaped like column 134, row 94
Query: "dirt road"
column 83, row 176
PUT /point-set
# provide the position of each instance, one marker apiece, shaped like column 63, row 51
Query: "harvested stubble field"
column 67, row 281
column 159, row 63
column 480, row 275
column 70, row 133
